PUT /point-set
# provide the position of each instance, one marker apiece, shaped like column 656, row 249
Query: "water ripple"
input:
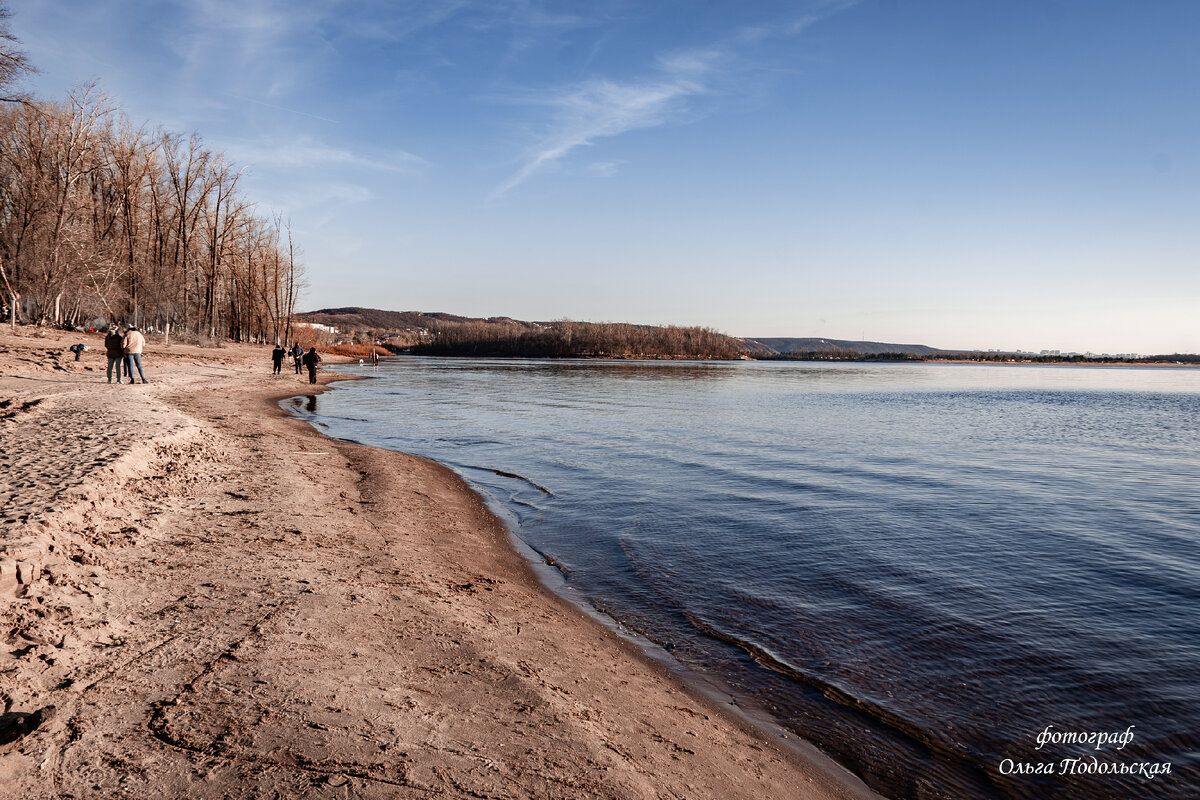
column 918, row 567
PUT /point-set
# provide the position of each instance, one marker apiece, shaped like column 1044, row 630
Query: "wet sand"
column 201, row 597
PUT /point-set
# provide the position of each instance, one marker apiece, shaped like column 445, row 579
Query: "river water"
column 919, row 568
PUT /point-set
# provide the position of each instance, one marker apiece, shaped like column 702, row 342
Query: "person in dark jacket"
column 277, row 358
column 297, row 356
column 114, row 348
column 311, row 359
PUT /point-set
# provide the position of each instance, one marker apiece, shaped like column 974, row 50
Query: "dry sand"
column 200, row 597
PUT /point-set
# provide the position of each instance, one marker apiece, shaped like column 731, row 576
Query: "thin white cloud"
column 282, row 108
column 325, row 194
column 586, row 112
column 256, row 48
column 603, row 169
column 307, row 153
column 597, row 109
column 384, row 21
column 387, row 20
column 755, row 34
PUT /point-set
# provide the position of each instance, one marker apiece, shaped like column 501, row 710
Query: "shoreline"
column 227, row 600
column 723, row 699
column 703, row 687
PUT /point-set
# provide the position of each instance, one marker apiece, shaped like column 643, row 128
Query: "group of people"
column 124, row 350
column 301, row 358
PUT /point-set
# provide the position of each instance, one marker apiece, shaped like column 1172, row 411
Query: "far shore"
column 987, row 362
column 203, row 597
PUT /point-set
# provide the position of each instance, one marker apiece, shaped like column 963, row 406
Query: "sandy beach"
column 202, row 597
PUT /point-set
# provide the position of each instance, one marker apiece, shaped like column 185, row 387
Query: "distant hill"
column 425, row 333
column 356, row 318
column 787, row 346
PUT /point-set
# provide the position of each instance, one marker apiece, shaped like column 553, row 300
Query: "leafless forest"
column 444, row 334
column 103, row 220
column 566, row 338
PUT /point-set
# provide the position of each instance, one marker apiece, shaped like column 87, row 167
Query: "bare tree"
column 14, row 64
column 99, row 219
column 74, row 140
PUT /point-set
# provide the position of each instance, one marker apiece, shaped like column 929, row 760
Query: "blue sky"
column 959, row 173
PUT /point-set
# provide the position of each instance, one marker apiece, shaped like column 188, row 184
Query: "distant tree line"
column 566, row 338
column 1181, row 358
column 102, row 220
column 358, row 318
column 839, row 354
column 1006, row 358
column 842, row 354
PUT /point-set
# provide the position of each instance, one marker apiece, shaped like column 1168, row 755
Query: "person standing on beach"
column 133, row 344
column 297, row 355
column 311, row 359
column 114, row 348
column 277, row 357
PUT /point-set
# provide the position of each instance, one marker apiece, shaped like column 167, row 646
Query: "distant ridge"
column 356, row 318
column 789, row 346
column 351, row 318
column 440, row 334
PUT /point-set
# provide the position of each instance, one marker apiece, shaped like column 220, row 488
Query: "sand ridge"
column 201, row 597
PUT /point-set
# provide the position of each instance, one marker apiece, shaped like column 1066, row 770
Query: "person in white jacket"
column 133, row 344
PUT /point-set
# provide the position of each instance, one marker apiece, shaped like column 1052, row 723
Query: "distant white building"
column 315, row 326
